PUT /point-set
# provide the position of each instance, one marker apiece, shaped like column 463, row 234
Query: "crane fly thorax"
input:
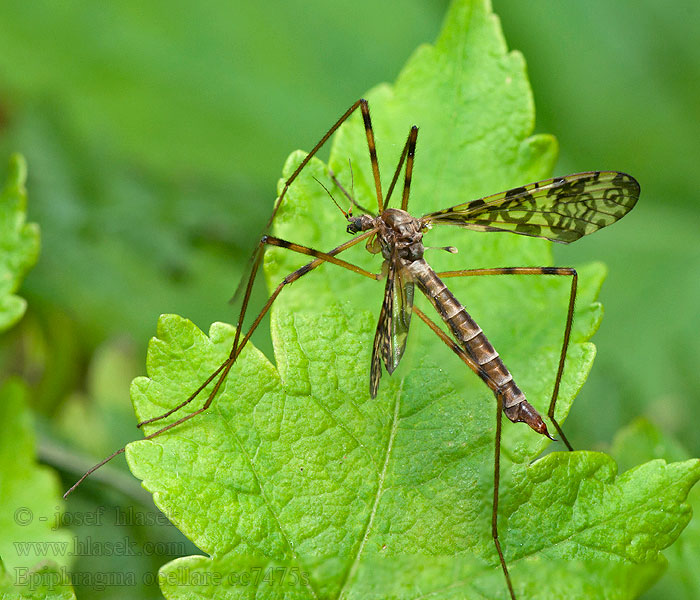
column 398, row 231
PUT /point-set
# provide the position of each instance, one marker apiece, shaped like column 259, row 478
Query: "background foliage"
column 155, row 136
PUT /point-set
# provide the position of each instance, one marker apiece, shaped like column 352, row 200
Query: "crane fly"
column 561, row 209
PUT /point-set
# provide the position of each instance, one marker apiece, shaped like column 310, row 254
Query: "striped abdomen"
column 489, row 365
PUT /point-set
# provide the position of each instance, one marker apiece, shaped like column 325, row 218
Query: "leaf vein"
column 264, row 497
column 378, row 496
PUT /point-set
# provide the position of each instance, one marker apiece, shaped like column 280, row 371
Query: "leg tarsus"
column 562, row 357
column 496, row 485
column 319, row 258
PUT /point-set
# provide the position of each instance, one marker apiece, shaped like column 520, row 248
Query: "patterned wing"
column 561, row 209
column 392, row 327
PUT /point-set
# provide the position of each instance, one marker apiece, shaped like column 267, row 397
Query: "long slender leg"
column 320, row 257
column 223, row 369
column 566, row 271
column 472, row 364
column 402, row 158
column 311, row 154
column 364, row 106
column 409, row 148
column 411, row 144
column 257, row 253
column 369, row 132
column 496, row 485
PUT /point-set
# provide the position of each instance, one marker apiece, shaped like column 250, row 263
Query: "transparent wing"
column 401, row 320
column 382, row 334
column 392, row 327
column 561, row 209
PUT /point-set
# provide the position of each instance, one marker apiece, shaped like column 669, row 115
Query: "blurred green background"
column 155, row 134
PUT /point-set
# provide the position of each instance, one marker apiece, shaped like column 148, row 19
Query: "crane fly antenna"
column 345, row 214
column 350, row 196
column 352, row 189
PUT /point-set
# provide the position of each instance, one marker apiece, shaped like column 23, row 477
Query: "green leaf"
column 19, row 243
column 34, row 553
column 30, row 502
column 295, row 471
column 640, row 441
column 273, row 479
